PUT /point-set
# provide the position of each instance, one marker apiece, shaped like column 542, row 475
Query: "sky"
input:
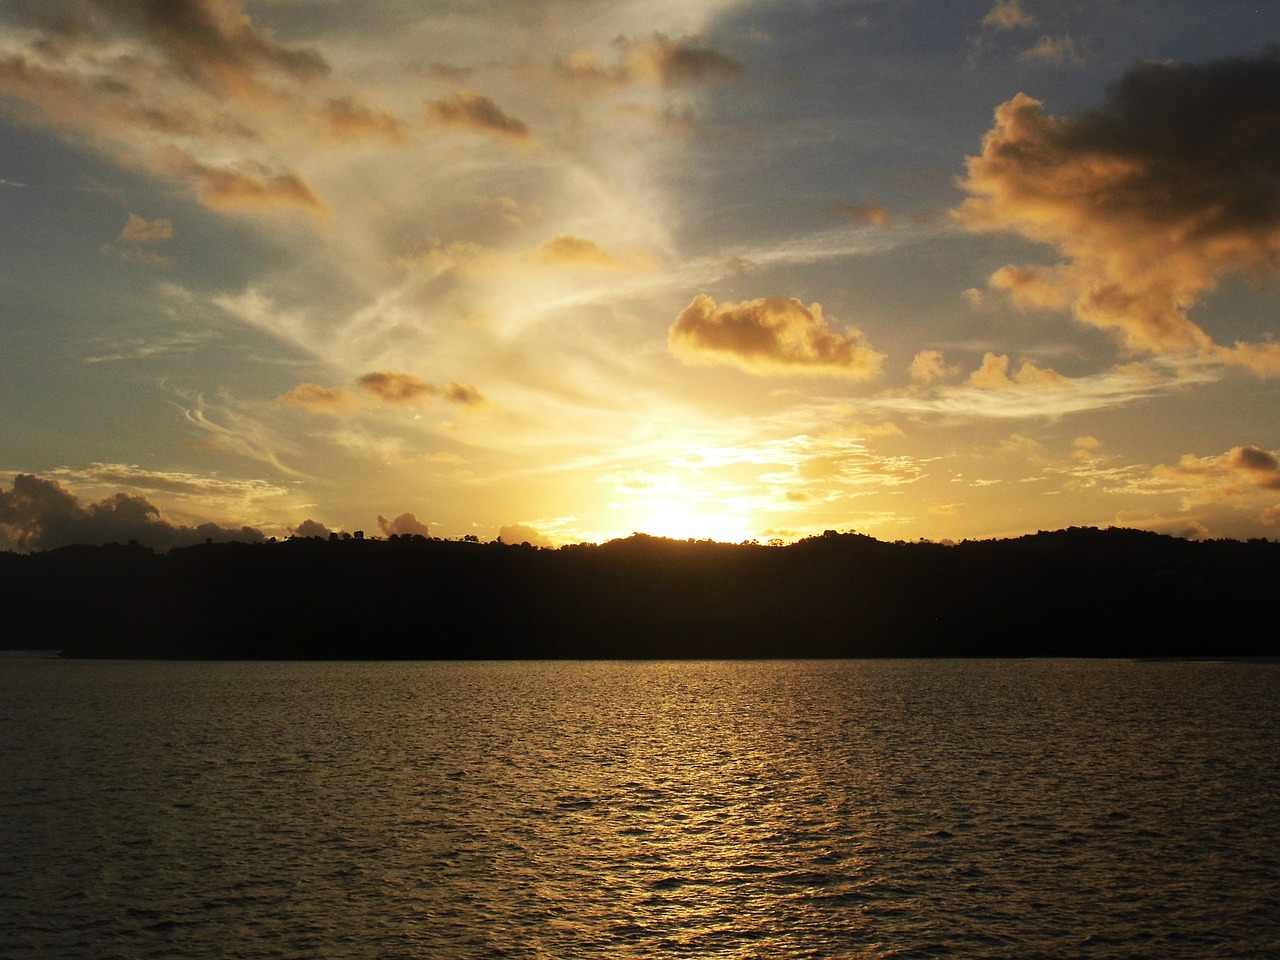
column 563, row 270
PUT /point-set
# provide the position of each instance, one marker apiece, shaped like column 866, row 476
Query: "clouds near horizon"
column 42, row 514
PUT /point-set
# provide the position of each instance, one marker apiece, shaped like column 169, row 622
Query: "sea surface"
column 824, row 809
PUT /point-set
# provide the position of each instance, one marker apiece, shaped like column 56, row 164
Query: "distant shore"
column 1075, row 592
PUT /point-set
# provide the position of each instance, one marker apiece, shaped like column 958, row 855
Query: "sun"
column 685, row 516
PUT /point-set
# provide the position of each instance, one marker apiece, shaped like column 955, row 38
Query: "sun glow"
column 684, row 515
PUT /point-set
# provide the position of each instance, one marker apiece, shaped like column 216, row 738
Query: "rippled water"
column 558, row 810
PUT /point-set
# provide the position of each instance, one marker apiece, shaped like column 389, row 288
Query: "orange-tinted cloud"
column 463, row 394
column 473, row 111
column 1006, row 15
column 1240, row 468
column 1151, row 199
column 230, row 189
column 404, row 388
column 994, row 374
column 312, row 396
column 771, row 335
column 396, row 387
column 349, row 120
column 569, row 251
column 930, row 366
column 214, row 43
column 875, row 214
column 656, row 59
column 140, row 230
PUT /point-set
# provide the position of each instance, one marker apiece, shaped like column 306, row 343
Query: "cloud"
column 1006, row 15
column 676, row 62
column 215, row 43
column 930, row 366
column 656, row 59
column 463, row 394
column 1171, row 185
column 569, row 251
column 1052, row 50
column 351, row 120
column 994, row 375
column 771, row 335
column 404, row 388
column 42, row 514
column 523, row 533
column 231, row 189
column 875, row 214
column 140, row 230
column 405, row 525
column 1085, row 448
column 1236, row 493
column 312, row 396
column 397, row 388
column 473, row 111
column 1239, row 470
column 311, row 528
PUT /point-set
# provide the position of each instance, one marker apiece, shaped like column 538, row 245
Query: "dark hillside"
column 1076, row 592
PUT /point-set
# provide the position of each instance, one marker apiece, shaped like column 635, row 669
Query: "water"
column 559, row 810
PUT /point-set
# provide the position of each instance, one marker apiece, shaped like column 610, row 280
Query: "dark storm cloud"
column 41, row 514
column 1151, row 198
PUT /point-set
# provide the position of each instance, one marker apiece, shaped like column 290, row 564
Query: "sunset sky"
column 561, row 270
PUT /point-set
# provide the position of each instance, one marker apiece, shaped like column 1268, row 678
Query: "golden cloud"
column 994, row 374
column 930, row 366
column 396, row 387
column 1240, row 468
column 473, row 111
column 350, row 120
column 463, row 394
column 312, row 396
column 771, row 335
column 253, row 190
column 1171, row 185
column 569, row 251
column 1006, row 15
column 403, row 388
column 140, row 230
column 215, row 42
column 875, row 214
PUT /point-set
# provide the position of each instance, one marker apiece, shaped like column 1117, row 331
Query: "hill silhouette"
column 1074, row 592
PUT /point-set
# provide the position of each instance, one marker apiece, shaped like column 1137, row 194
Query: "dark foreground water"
column 557, row 810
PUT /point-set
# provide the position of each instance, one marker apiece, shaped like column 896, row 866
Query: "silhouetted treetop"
column 1076, row 592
